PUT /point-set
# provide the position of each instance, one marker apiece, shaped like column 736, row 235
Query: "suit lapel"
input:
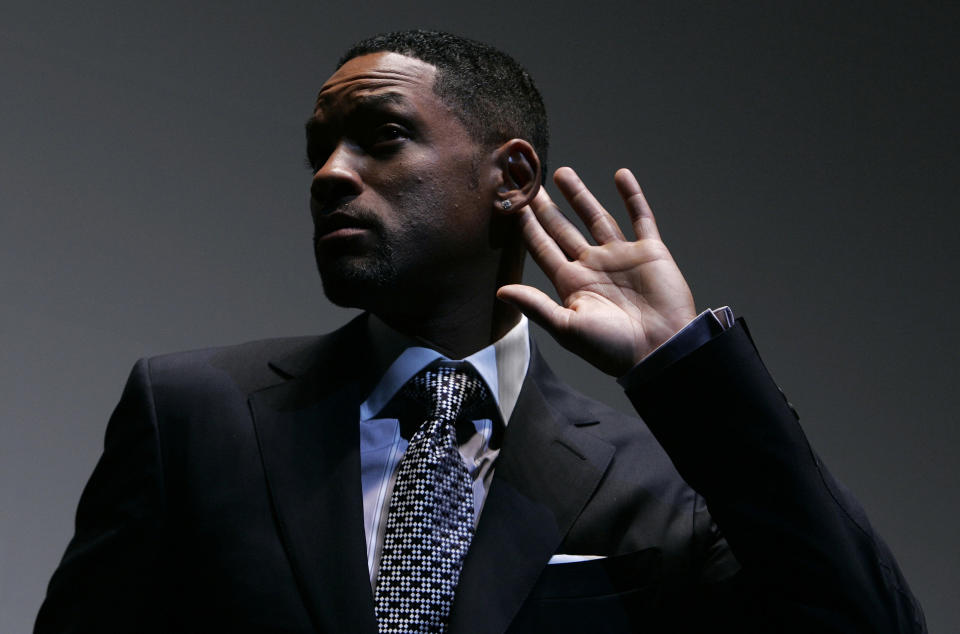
column 308, row 433
column 547, row 470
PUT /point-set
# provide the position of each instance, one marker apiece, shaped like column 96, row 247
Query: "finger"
column 542, row 247
column 641, row 216
column 601, row 224
column 536, row 305
column 558, row 226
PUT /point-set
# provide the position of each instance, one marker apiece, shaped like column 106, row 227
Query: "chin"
column 356, row 284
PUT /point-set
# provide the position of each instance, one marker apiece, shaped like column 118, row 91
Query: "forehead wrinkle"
column 371, row 80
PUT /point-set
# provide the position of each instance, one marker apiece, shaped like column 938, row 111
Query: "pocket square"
column 572, row 559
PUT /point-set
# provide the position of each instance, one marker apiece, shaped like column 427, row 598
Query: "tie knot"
column 446, row 389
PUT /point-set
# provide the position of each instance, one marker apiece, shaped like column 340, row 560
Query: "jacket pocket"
column 615, row 594
column 599, row 577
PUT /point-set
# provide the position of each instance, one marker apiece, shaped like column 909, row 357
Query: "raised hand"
column 620, row 298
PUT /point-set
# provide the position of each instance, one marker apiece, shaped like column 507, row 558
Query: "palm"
column 620, row 299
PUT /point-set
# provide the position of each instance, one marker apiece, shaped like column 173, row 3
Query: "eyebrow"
column 382, row 99
column 364, row 102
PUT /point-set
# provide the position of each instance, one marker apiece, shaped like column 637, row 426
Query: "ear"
column 518, row 173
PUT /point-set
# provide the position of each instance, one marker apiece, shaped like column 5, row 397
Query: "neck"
column 457, row 330
column 462, row 318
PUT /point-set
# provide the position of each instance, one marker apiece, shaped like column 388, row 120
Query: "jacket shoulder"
column 249, row 366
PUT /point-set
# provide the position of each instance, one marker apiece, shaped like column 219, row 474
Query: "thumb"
column 536, row 305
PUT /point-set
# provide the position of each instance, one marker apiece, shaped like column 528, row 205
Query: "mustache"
column 345, row 215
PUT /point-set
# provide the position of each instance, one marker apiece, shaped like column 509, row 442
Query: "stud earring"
column 506, row 204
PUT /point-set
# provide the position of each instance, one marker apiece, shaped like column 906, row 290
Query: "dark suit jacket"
column 228, row 499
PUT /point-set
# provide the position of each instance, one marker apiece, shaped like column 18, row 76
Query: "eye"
column 388, row 135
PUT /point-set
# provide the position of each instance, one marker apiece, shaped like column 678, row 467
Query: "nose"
column 337, row 181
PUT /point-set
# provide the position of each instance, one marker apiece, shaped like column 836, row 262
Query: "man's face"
column 397, row 206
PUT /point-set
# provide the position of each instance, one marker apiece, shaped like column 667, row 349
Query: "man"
column 273, row 486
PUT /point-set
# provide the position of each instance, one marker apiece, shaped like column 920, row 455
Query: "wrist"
column 664, row 334
column 694, row 334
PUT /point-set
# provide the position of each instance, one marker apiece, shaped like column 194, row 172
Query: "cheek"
column 439, row 206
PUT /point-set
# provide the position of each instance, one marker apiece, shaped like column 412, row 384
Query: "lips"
column 345, row 232
column 340, row 224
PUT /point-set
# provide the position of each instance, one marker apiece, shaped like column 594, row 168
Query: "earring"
column 506, row 204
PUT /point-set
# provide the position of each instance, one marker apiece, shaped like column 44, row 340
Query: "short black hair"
column 493, row 96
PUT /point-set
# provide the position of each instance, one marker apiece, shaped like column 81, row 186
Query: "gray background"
column 802, row 161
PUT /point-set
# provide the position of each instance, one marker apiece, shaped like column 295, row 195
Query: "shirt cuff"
column 699, row 331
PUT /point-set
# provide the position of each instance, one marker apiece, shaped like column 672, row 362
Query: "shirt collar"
column 502, row 365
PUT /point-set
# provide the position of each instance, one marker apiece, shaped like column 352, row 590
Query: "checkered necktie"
column 430, row 522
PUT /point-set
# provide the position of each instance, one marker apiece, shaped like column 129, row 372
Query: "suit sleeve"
column 110, row 568
column 811, row 562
